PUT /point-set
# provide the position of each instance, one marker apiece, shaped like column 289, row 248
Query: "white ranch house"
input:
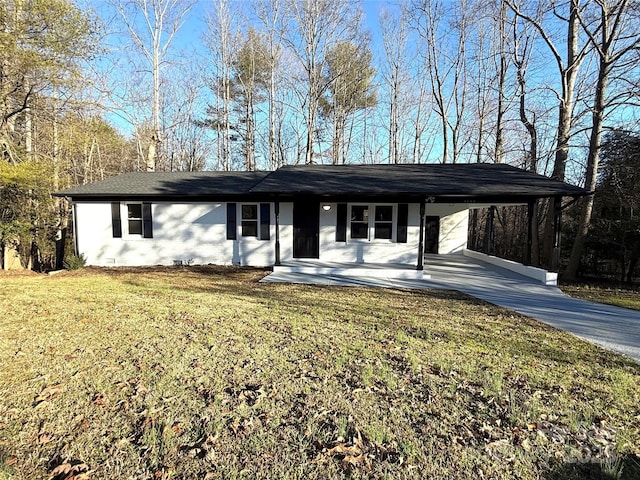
column 347, row 215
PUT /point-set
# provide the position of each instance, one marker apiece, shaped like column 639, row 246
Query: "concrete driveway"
column 614, row 328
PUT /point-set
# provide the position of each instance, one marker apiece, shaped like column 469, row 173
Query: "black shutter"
column 265, row 219
column 231, row 221
column 403, row 217
column 147, row 223
column 341, row 223
column 116, row 222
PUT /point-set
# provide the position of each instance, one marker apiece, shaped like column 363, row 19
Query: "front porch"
column 337, row 269
column 438, row 269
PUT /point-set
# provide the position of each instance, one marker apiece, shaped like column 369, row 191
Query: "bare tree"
column 316, row 26
column 394, row 40
column 153, row 25
column 568, row 66
column 446, row 65
column 613, row 33
column 271, row 13
column 186, row 144
column 220, row 38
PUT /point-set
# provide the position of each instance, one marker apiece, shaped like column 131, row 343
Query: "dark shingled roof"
column 443, row 180
column 168, row 184
column 452, row 181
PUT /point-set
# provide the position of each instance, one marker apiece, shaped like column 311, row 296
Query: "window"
column 249, row 220
column 360, row 221
column 134, row 217
column 138, row 219
column 371, row 222
column 255, row 220
column 383, row 224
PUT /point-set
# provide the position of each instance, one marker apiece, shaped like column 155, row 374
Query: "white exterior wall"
column 187, row 232
column 454, row 226
column 196, row 232
column 369, row 250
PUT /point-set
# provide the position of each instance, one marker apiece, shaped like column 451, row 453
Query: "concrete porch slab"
column 349, row 270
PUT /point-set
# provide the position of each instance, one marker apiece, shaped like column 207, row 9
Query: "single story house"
column 348, row 214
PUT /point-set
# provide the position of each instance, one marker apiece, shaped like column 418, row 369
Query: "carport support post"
column 557, row 224
column 530, row 210
column 421, row 237
column 276, row 208
column 488, row 234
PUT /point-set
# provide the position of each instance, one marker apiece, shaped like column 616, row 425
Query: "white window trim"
column 372, row 223
column 125, row 230
column 258, row 220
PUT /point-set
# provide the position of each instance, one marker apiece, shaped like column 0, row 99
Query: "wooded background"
column 90, row 90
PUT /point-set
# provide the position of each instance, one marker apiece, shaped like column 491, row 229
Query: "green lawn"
column 204, row 373
column 620, row 296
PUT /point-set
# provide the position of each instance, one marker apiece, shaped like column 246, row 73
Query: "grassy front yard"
column 204, row 373
column 620, row 295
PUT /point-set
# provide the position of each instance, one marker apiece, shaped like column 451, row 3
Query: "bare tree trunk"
column 163, row 18
column 568, row 73
column 502, row 76
column 610, row 29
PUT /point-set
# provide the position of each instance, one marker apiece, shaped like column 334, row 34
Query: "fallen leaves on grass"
column 201, row 447
column 352, row 454
column 49, row 393
column 359, row 453
column 249, row 394
column 68, row 469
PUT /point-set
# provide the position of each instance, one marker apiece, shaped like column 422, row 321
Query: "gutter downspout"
column 75, row 228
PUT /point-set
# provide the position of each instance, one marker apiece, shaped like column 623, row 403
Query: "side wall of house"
column 185, row 232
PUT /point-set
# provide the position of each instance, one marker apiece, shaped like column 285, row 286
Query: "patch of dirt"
column 20, row 273
column 159, row 269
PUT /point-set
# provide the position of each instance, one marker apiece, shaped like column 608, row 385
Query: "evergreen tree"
column 349, row 77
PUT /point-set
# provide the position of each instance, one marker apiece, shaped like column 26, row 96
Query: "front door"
column 306, row 221
column 431, row 234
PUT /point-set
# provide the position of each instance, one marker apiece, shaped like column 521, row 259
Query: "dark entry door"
column 306, row 220
column 431, row 234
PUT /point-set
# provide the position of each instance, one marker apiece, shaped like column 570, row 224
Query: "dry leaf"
column 70, row 470
column 49, row 393
column 342, row 449
column 356, row 461
column 44, row 437
column 100, row 399
column 62, row 469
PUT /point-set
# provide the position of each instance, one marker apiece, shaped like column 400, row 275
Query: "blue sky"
column 195, row 25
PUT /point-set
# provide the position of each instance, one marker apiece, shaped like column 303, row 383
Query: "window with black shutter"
column 231, row 221
column 341, row 222
column 116, row 222
column 265, row 221
column 147, row 222
column 139, row 221
column 403, row 219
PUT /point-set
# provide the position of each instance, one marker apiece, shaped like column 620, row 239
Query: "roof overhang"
column 473, row 184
